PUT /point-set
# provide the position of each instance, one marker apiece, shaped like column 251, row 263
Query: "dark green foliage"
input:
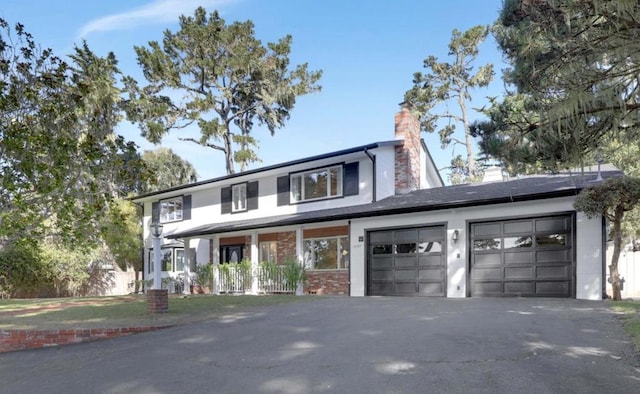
column 166, row 170
column 611, row 199
column 444, row 82
column 575, row 63
column 61, row 162
column 229, row 82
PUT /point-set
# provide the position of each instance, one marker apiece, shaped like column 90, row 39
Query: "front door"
column 231, row 253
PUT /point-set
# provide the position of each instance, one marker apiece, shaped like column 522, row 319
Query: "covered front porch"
column 267, row 260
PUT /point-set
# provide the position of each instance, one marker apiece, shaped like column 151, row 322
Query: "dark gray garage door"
column 409, row 262
column 522, row 257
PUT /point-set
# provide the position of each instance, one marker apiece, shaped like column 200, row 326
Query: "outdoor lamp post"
column 156, row 232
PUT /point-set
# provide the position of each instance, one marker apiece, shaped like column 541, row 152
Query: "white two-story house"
column 377, row 219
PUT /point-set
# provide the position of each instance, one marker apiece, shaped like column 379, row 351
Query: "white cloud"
column 156, row 12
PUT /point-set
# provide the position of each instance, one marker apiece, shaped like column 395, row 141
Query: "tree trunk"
column 617, row 247
column 228, row 153
column 468, row 141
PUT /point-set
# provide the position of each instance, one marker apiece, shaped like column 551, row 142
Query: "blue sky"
column 368, row 51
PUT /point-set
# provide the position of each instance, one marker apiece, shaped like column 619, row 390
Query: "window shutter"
column 351, row 179
column 155, row 212
column 186, row 207
column 283, row 190
column 252, row 195
column 225, row 199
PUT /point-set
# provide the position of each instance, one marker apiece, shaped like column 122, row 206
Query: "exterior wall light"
column 455, row 235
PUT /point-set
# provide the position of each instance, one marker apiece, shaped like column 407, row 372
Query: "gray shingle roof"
column 524, row 189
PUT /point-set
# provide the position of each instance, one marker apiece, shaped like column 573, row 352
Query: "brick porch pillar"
column 157, row 301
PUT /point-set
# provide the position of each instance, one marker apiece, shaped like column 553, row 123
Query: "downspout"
column 349, row 254
column 604, row 258
column 372, row 157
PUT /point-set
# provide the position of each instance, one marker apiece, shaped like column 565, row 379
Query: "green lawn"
column 631, row 312
column 129, row 311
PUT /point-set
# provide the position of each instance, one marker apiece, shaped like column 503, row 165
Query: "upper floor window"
column 316, row 184
column 171, row 209
column 239, row 197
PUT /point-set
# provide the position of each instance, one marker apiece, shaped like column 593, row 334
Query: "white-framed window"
column 173, row 260
column 269, row 251
column 239, row 197
column 326, row 253
column 171, row 209
column 316, row 184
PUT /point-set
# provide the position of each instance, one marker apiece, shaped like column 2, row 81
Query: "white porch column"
column 187, row 266
column 215, row 260
column 300, row 254
column 254, row 262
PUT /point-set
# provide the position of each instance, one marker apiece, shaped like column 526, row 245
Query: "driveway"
column 354, row 345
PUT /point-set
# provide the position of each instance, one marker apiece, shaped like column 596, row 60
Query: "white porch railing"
column 236, row 279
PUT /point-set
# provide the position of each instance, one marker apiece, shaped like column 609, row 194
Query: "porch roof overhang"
column 446, row 197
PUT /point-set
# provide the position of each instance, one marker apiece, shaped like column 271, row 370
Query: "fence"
column 238, row 279
column 629, row 269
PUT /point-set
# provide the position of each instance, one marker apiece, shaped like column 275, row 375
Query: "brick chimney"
column 407, row 162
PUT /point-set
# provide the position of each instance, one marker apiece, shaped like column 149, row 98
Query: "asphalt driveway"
column 354, row 345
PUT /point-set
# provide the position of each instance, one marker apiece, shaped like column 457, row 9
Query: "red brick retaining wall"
column 12, row 340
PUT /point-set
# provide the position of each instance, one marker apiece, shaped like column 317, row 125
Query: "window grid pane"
column 318, row 184
column 171, row 210
column 239, row 197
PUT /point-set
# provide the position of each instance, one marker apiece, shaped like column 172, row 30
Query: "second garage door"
column 522, row 257
column 409, row 262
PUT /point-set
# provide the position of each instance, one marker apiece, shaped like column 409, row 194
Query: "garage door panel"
column 405, row 274
column 486, row 229
column 487, row 273
column 524, row 257
column 487, row 288
column 518, row 257
column 407, row 261
column 382, row 275
column 431, row 234
column 487, row 259
column 561, row 225
column 430, row 274
column 519, row 273
column 552, row 288
column 381, row 262
column 381, row 288
column 550, row 256
column 549, row 272
column 515, row 227
column 405, row 287
column 519, row 288
column 433, row 260
column 431, row 288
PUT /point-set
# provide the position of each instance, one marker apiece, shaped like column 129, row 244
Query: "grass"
column 127, row 311
column 631, row 312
